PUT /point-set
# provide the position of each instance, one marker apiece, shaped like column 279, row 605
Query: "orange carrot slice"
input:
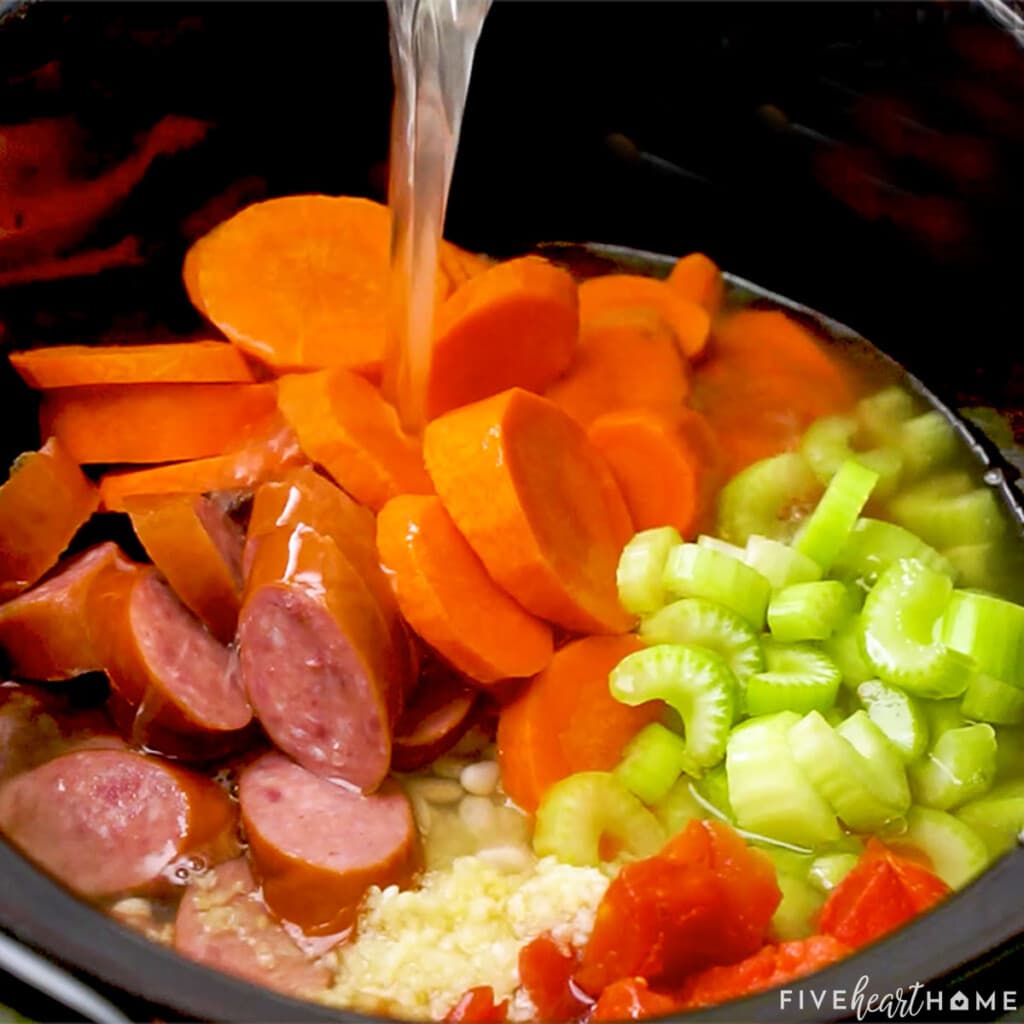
column 187, row 362
column 513, row 325
column 458, row 265
column 697, row 278
column 622, row 365
column 345, row 425
column 538, row 505
column 566, row 720
column 614, row 294
column 154, row 422
column 42, row 505
column 447, row 597
column 199, row 551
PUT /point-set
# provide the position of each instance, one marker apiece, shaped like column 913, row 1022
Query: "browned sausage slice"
column 223, row 922
column 107, row 822
column 318, row 846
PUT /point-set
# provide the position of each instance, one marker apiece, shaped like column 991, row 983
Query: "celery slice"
column 641, row 566
column 898, row 715
column 716, row 544
column 899, row 619
column 927, row 442
column 828, row 443
column 762, row 498
column 780, row 564
column 695, row 571
column 991, row 700
column 678, row 807
column 990, row 631
column 998, row 817
column 652, row 762
column 961, row 766
column 942, row 716
column 712, row 789
column 873, row 545
column 808, row 611
column 947, row 517
column 694, row 681
column 975, row 565
column 578, row 811
column 702, row 623
column 829, row 525
column 957, row 853
column 882, row 414
column 768, row 791
column 798, row 678
column 796, row 914
column 846, row 648
column 828, row 870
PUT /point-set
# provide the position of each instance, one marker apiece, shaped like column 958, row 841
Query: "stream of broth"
column 432, row 47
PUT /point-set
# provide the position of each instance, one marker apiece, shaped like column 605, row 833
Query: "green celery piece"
column 695, row 571
column 1009, row 753
column 898, row 715
column 652, row 762
column 991, row 700
column 761, row 498
column 808, row 611
column 947, row 511
column 712, row 789
column 799, row 678
column 988, row 630
column 727, row 548
column 640, row 570
column 829, row 442
column 780, row 564
column 678, row 807
column 827, row 528
column 881, row 415
column 579, row 810
column 960, row 767
column 957, row 853
column 694, row 681
column 828, row 870
column 975, row 565
column 797, row 912
column 942, row 715
column 899, row 619
column 769, row 793
column 873, row 545
column 703, row 623
column 998, row 817
column 927, row 442
column 846, row 648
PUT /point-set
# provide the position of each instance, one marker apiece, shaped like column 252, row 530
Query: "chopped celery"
column 769, row 792
column 854, row 767
column 693, row 680
column 960, row 767
column 898, row 715
column 695, row 571
column 927, row 442
column 715, row 543
column 712, row 789
column 998, row 817
column 991, row 700
column 828, row 526
column 787, row 860
column 874, row 545
column 957, row 853
column 652, row 762
column 830, row 869
column 578, row 811
column 798, row 909
column 761, row 498
column 798, row 678
column 780, row 564
column 974, row 565
column 702, row 623
column 846, row 648
column 828, row 443
column 1009, row 753
column 946, row 517
column 808, row 611
column 880, row 415
column 990, row 631
column 678, row 807
column 899, row 619
column 942, row 716
column 640, row 570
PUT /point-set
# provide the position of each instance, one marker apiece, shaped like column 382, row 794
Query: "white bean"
column 477, row 814
column 480, row 779
column 437, row 791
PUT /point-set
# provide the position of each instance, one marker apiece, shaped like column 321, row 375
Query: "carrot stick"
column 615, row 294
column 538, row 505
column 187, row 362
column 660, row 468
column 199, row 551
column 270, row 452
column 698, row 279
column 566, row 720
column 42, row 505
column 447, row 597
column 458, row 265
column 154, row 422
column 344, row 424
column 632, row 364
column 514, row 325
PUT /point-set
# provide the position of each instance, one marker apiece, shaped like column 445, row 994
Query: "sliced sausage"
column 181, row 686
column 318, row 846
column 438, row 716
column 107, row 822
column 319, row 662
column 45, row 632
column 223, row 923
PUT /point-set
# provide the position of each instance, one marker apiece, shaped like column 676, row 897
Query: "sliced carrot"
column 42, row 505
column 622, row 365
column 458, row 265
column 513, row 325
column 187, row 362
column 697, row 278
column 144, row 423
column 566, row 720
column 666, row 475
column 648, row 297
column 271, row 451
column 538, row 505
column 345, row 425
column 447, row 597
column 199, row 551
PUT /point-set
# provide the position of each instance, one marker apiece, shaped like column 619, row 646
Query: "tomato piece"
column 923, row 886
column 546, row 971
column 631, row 999
column 477, row 1006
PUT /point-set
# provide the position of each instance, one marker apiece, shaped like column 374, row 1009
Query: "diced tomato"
column 546, row 971
column 631, row 999
column 477, row 1006
column 883, row 892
